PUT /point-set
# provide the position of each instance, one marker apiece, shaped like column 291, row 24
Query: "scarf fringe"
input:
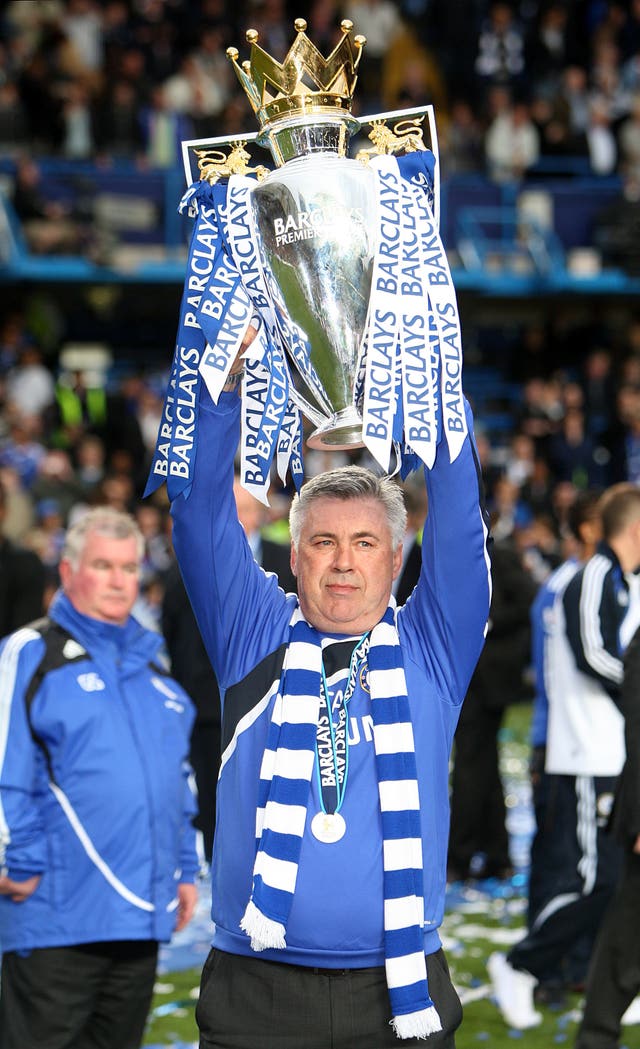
column 265, row 933
column 417, row 1025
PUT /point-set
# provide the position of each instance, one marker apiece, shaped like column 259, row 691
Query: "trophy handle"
column 316, row 417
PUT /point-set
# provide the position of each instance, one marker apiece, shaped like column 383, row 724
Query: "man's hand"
column 19, row 891
column 636, row 844
column 187, row 899
column 249, row 336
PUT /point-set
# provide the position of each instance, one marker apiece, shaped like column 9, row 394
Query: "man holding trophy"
column 323, row 289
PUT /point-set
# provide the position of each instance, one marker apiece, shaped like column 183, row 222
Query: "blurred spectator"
column 628, row 36
column 508, row 509
column 273, row 556
column 534, row 357
column 621, row 440
column 538, row 544
column 572, row 452
column 158, row 555
column 548, row 47
column 601, row 138
column 520, row 459
column 607, row 87
column 575, row 95
column 191, row 96
column 20, row 450
column 380, row 22
column 19, row 513
column 118, row 127
column 463, row 146
column 21, row 579
column 116, row 490
column 56, row 481
column 46, row 538
column 163, row 129
column 537, row 490
column 77, row 133
column 541, row 408
column 616, row 231
column 512, row 143
column 84, row 405
column 415, row 501
column 629, row 143
column 500, row 55
column 216, row 71
column 30, row 388
column 411, row 77
column 598, row 384
column 13, row 119
column 48, row 225
column 82, row 21
column 149, row 414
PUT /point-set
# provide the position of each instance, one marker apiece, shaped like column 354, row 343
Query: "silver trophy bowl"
column 316, row 221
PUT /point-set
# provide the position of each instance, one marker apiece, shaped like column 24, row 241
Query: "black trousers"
column 553, row 869
column 614, row 973
column 588, row 877
column 250, row 1003
column 478, row 813
column 93, row 996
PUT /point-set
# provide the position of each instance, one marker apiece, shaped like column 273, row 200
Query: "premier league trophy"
column 338, row 264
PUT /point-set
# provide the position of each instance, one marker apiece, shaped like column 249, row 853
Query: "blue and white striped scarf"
column 285, row 779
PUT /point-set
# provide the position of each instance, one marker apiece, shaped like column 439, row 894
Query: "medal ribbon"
column 332, row 787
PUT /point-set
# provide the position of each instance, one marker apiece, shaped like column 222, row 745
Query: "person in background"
column 552, row 871
column 22, row 580
column 478, row 812
column 97, row 847
column 191, row 667
column 270, row 554
column 614, row 974
column 599, row 612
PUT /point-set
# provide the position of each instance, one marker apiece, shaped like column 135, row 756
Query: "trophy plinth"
column 343, row 433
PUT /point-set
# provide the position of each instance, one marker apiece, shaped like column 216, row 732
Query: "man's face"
column 104, row 585
column 345, row 564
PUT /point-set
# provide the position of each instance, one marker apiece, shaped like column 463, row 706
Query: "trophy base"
column 340, row 433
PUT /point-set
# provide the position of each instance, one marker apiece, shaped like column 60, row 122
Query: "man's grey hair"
column 105, row 521
column 350, row 482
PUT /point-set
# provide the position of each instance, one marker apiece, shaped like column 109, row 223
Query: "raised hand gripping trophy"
column 339, row 264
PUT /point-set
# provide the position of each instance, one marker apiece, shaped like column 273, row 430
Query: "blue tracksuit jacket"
column 94, row 792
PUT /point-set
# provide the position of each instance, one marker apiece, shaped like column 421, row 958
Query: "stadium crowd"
column 512, row 81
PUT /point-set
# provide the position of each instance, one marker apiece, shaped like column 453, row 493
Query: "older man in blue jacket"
column 97, row 848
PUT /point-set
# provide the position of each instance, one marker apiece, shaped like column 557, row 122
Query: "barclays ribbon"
column 176, row 446
column 262, row 435
column 443, row 300
column 418, row 379
column 382, row 331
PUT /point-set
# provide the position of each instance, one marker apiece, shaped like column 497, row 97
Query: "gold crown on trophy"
column 306, row 82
